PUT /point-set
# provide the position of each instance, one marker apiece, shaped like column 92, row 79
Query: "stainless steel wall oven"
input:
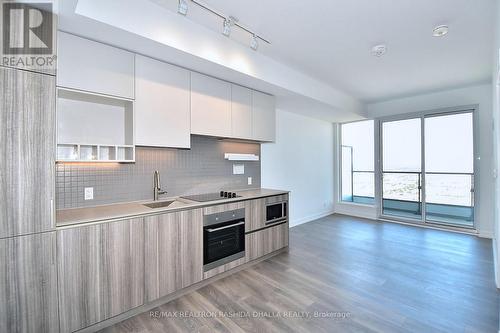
column 223, row 238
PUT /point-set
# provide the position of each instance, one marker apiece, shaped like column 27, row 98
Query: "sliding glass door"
column 402, row 168
column 449, row 169
column 428, row 169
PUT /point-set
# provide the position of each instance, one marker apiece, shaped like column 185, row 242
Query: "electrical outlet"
column 89, row 193
column 249, row 180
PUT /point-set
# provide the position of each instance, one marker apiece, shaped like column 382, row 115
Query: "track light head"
column 254, row 43
column 182, row 7
column 226, row 28
column 227, row 24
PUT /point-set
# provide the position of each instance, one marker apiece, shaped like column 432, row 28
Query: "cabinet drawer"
column 262, row 242
column 224, row 268
column 277, row 198
column 222, row 208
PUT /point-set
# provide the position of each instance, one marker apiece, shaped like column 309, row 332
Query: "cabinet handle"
column 52, row 212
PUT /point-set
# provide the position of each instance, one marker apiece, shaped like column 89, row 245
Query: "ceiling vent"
column 440, row 31
column 379, row 50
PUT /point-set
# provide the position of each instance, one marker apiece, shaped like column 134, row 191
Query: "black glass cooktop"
column 212, row 196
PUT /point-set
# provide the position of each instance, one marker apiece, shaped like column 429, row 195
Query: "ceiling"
column 163, row 34
column 331, row 41
column 319, row 62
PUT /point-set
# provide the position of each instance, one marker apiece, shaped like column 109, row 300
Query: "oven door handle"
column 226, row 226
column 279, row 219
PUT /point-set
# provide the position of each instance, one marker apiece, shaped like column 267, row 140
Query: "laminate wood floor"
column 359, row 275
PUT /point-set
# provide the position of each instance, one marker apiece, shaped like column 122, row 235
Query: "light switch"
column 89, row 193
column 238, row 169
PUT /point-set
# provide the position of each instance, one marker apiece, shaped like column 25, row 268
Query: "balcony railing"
column 450, row 195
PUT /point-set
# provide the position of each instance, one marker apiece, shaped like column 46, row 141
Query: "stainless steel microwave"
column 276, row 212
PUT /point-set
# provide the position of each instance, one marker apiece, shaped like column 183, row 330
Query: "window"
column 428, row 168
column 357, row 162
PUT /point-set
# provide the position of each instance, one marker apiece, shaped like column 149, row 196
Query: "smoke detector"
column 440, row 31
column 379, row 50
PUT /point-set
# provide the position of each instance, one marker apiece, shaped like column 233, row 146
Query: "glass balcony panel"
column 401, row 195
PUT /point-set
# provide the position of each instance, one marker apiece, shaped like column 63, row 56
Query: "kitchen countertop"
column 107, row 213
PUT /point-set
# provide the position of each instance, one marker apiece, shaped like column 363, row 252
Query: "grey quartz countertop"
column 106, row 213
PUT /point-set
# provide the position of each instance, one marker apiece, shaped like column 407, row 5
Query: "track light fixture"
column 227, row 24
column 182, row 7
column 254, row 43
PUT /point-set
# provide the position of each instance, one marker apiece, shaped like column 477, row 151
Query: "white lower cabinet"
column 162, row 104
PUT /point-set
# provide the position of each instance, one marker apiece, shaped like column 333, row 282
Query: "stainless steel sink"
column 159, row 204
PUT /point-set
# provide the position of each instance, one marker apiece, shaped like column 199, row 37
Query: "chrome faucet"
column 156, row 186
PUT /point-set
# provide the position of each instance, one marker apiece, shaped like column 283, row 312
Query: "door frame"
column 379, row 162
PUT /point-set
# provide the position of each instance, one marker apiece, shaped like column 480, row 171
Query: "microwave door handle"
column 227, row 226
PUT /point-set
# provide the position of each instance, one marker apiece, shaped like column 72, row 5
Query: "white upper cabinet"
column 171, row 103
column 210, row 106
column 162, row 110
column 263, row 117
column 95, row 67
column 241, row 112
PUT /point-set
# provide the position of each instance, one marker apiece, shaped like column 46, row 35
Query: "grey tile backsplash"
column 202, row 169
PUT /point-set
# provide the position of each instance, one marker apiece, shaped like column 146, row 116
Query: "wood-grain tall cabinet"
column 27, row 142
column 28, row 274
column 28, row 284
column 28, row 271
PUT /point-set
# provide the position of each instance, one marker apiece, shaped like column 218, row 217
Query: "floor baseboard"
column 309, row 218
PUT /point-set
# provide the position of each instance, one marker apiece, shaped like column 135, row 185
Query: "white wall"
column 301, row 161
column 479, row 94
